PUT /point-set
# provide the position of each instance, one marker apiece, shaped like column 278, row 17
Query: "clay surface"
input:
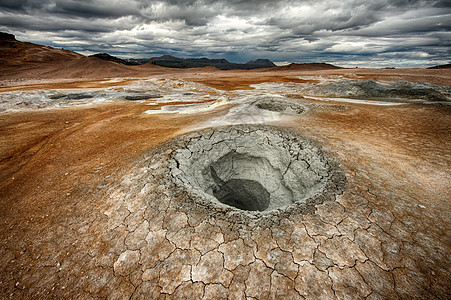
column 90, row 208
column 272, row 168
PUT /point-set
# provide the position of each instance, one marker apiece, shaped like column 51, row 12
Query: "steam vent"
column 254, row 169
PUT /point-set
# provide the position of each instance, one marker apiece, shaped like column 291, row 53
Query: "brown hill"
column 82, row 67
column 23, row 60
column 447, row 66
column 209, row 68
column 87, row 67
column 16, row 53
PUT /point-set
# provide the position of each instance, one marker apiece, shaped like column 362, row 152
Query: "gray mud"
column 279, row 104
column 254, row 170
column 73, row 96
column 141, row 97
column 369, row 89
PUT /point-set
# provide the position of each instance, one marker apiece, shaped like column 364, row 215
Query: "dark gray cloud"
column 90, row 9
column 347, row 32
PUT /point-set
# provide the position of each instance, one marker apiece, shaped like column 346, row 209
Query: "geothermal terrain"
column 144, row 182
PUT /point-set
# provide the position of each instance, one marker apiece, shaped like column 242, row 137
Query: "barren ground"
column 88, row 209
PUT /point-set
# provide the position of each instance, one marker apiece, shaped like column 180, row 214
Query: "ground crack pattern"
column 162, row 234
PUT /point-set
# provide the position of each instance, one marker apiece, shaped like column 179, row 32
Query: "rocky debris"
column 369, row 89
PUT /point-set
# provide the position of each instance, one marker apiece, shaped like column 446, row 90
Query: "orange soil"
column 56, row 165
column 243, row 82
column 99, row 83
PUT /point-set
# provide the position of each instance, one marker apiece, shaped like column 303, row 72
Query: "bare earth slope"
column 27, row 61
column 16, row 53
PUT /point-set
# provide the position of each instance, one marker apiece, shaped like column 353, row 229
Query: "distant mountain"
column 447, row 66
column 20, row 60
column 184, row 63
column 261, row 63
column 17, row 54
column 308, row 67
column 106, row 56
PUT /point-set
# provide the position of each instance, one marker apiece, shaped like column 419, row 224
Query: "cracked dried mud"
column 104, row 200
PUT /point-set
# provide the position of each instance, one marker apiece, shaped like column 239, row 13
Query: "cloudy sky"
column 371, row 33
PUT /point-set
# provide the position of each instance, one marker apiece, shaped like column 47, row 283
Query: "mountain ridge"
column 170, row 61
column 308, row 66
column 15, row 54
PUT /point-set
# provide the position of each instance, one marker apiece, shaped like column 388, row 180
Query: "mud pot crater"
column 280, row 105
column 255, row 170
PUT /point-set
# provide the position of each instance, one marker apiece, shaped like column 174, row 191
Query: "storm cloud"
column 378, row 33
